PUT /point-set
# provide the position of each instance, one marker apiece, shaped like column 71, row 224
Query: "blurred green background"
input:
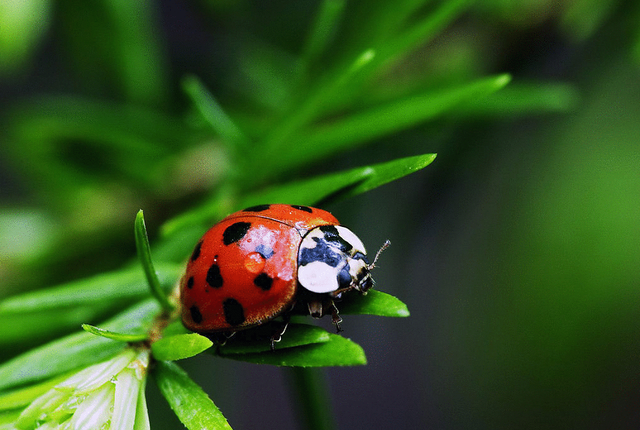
column 517, row 251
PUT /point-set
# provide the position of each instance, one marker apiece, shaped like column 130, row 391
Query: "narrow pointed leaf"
column 36, row 316
column 144, row 255
column 422, row 31
column 174, row 328
column 189, row 402
column 126, row 399
column 128, row 283
column 120, row 337
column 23, row 396
column 126, row 133
column 142, row 412
column 180, row 346
column 212, row 112
column 324, row 28
column 339, row 351
column 343, row 184
column 8, row 418
column 296, row 335
column 374, row 303
column 279, row 139
column 76, row 350
column 63, row 355
column 312, row 191
column 391, row 117
column 321, row 141
column 524, row 99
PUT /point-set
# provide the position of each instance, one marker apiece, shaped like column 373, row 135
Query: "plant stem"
column 314, row 403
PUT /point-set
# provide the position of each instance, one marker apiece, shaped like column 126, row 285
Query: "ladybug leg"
column 315, row 308
column 336, row 319
column 277, row 336
column 222, row 338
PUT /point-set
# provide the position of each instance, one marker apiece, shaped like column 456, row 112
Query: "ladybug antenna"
column 384, row 246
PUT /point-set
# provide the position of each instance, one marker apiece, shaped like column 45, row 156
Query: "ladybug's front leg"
column 322, row 306
column 336, row 319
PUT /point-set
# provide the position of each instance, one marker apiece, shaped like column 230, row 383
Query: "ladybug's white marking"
column 331, row 258
column 352, row 239
column 318, row 277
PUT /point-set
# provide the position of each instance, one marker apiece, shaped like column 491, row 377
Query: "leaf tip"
column 502, row 80
column 404, row 312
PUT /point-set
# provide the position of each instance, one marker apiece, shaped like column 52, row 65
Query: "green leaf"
column 190, row 403
column 319, row 141
column 126, row 283
column 180, row 346
column 279, row 139
column 63, row 355
column 144, row 254
column 375, row 302
column 311, row 191
column 142, row 412
column 9, row 418
column 176, row 327
column 212, row 112
column 339, row 351
column 20, row 330
column 23, row 396
column 50, row 311
column 29, row 19
column 120, row 337
column 76, row 350
column 324, row 27
column 295, row 335
column 390, row 117
column 422, row 31
column 341, row 185
column 130, row 62
column 121, row 133
column 524, row 99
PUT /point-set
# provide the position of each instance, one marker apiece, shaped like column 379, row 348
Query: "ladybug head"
column 332, row 259
column 365, row 281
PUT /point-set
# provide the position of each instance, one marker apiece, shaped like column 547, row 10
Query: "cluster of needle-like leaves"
column 337, row 93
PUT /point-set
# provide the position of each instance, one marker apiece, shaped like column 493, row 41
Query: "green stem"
column 144, row 254
column 310, row 389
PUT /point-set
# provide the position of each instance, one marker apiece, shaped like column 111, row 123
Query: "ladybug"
column 264, row 261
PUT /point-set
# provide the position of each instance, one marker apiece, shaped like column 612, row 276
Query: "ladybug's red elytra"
column 258, row 263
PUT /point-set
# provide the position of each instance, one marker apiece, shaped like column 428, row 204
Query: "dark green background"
column 517, row 250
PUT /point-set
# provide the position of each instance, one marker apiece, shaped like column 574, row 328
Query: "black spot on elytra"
column 214, row 278
column 258, row 208
column 235, row 232
column 265, row 251
column 263, row 281
column 190, row 282
column 302, row 208
column 196, row 251
column 196, row 316
column 233, row 312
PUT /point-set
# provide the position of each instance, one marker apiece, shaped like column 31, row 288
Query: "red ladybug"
column 259, row 263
